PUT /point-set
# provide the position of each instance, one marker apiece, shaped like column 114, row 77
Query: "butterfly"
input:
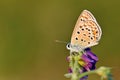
column 86, row 33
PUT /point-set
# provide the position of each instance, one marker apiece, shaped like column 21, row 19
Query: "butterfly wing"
column 87, row 32
column 86, row 15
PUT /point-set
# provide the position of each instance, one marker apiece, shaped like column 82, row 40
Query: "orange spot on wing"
column 94, row 32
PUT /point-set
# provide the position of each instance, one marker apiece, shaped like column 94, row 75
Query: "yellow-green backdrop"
column 29, row 28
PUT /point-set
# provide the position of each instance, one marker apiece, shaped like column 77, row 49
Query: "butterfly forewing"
column 87, row 32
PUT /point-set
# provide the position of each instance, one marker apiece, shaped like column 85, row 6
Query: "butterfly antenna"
column 58, row 41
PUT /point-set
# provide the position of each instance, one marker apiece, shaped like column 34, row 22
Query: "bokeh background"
column 29, row 28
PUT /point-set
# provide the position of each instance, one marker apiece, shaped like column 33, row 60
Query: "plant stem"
column 86, row 73
column 75, row 66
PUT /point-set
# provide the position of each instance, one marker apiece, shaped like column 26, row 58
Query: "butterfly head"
column 74, row 48
column 68, row 46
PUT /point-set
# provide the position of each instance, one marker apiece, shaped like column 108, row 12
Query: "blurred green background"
column 28, row 30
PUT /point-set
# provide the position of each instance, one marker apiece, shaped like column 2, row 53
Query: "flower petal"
column 90, row 54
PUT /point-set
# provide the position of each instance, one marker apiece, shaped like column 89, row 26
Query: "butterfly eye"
column 68, row 46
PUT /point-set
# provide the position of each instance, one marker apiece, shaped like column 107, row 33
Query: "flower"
column 87, row 61
column 68, row 58
column 84, row 78
column 69, row 70
column 104, row 72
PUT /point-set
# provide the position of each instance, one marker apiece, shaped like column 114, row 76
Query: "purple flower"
column 89, row 60
column 86, row 61
column 68, row 58
column 84, row 78
column 69, row 70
